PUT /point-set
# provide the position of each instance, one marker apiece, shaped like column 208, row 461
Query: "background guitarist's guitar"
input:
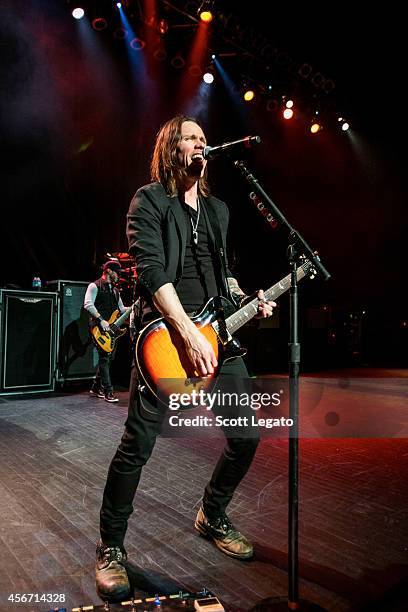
column 160, row 354
column 107, row 340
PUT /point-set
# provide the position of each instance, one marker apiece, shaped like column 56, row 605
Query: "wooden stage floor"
column 54, row 455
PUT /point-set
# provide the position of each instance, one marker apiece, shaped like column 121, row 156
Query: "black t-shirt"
column 199, row 281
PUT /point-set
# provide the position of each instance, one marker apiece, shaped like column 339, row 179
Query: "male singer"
column 177, row 235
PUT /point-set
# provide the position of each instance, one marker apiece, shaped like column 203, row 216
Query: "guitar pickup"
column 224, row 337
column 222, row 332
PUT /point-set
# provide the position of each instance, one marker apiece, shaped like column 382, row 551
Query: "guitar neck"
column 123, row 317
column 247, row 312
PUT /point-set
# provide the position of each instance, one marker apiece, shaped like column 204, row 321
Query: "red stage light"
column 163, row 26
column 99, row 24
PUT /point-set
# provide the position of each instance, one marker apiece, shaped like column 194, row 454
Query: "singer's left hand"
column 265, row 309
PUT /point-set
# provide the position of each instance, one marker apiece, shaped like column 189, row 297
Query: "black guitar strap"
column 136, row 320
column 219, row 248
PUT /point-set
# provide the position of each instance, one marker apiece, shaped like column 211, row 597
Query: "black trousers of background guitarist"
column 141, row 429
column 102, row 377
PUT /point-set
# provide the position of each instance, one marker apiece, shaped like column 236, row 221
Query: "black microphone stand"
column 297, row 246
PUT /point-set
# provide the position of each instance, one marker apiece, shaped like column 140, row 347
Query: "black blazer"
column 157, row 236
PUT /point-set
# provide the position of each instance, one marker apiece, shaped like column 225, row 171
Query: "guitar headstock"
column 308, row 267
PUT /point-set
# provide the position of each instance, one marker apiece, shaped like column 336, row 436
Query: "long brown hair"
column 165, row 166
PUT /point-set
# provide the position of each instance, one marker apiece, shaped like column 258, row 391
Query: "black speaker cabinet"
column 28, row 341
column 76, row 357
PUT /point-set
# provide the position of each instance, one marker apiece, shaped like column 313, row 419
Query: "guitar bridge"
column 194, row 381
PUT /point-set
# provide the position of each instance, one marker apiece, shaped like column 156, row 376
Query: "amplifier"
column 28, row 341
column 76, row 356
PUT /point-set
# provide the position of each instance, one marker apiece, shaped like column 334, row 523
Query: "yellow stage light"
column 206, row 16
column 315, row 127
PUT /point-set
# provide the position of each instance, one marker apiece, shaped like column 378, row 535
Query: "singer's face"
column 190, row 149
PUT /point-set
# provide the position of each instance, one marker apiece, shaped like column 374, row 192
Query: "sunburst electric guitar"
column 107, row 340
column 160, row 354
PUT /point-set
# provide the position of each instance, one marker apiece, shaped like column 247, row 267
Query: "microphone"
column 228, row 147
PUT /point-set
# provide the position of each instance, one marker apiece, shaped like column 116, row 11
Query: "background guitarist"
column 102, row 298
column 177, row 235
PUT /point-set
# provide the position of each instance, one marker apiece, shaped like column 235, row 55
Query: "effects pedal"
column 209, row 604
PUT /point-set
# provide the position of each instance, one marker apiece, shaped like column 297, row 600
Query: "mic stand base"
column 281, row 604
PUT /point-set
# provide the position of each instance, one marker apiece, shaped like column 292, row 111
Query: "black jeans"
column 102, row 378
column 141, row 429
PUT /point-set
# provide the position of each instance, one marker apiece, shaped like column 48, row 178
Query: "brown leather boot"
column 112, row 581
column 224, row 535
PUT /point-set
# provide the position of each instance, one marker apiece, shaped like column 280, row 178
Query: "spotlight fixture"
column 305, row 71
column 119, row 5
column 289, row 103
column 344, row 124
column 195, row 70
column 120, row 33
column 315, row 127
column 137, row 44
column 162, row 26
column 249, row 95
column 208, row 77
column 99, row 24
column 272, row 105
column 288, row 113
column 178, row 61
column 78, row 13
column 206, row 16
column 204, row 12
column 160, row 54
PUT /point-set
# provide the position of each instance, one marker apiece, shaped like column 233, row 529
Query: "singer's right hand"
column 200, row 352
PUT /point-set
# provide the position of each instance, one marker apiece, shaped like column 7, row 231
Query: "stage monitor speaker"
column 28, row 341
column 76, row 356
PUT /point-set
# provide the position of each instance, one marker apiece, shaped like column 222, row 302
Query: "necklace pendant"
column 195, row 237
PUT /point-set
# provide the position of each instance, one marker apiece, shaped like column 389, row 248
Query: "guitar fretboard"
column 247, row 312
column 124, row 316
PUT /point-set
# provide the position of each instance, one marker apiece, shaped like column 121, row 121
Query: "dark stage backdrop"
column 78, row 134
